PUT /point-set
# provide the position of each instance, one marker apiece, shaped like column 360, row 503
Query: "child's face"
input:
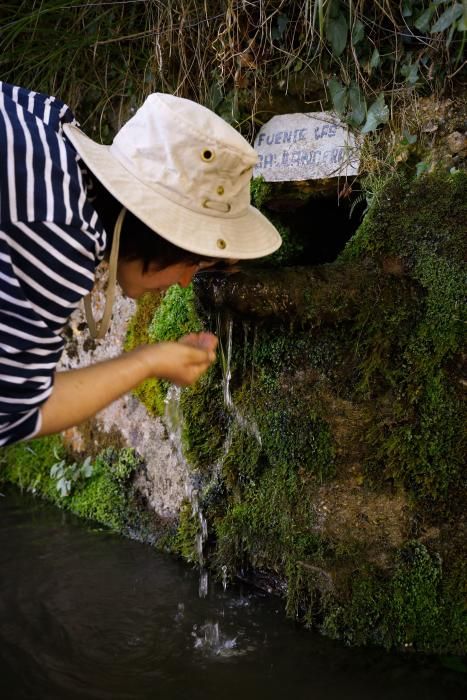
column 135, row 281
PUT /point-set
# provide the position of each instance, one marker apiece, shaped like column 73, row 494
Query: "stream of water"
column 86, row 614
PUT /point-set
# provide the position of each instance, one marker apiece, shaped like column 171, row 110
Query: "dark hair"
column 137, row 241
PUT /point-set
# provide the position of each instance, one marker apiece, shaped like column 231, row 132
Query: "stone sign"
column 308, row 146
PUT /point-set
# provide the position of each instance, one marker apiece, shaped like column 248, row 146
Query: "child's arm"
column 79, row 394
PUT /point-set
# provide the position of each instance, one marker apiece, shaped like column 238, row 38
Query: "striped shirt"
column 51, row 240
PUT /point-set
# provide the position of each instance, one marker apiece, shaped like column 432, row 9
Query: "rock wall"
column 163, row 481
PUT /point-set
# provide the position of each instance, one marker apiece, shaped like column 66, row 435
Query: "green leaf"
column 64, row 487
column 410, row 72
column 87, row 468
column 357, row 105
column 334, row 7
column 339, row 95
column 56, row 470
column 278, row 31
column 452, row 29
column 408, row 138
column 407, row 8
column 282, row 22
column 462, row 23
column 448, row 17
column 358, row 32
column 378, row 113
column 423, row 21
column 215, row 95
column 422, row 167
column 336, row 33
column 298, row 65
column 375, row 59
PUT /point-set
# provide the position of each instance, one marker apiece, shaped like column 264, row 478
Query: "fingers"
column 208, row 341
column 184, row 362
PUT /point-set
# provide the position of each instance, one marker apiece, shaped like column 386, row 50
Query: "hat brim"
column 244, row 237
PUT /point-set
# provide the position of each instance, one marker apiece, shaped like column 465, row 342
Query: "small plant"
column 67, row 475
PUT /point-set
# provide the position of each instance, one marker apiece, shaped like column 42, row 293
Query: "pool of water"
column 87, row 614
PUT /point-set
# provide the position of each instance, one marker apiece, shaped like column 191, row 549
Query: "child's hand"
column 181, row 363
column 206, row 341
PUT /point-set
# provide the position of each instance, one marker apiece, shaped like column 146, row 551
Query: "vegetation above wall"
column 361, row 57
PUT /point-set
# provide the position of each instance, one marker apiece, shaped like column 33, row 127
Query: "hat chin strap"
column 98, row 330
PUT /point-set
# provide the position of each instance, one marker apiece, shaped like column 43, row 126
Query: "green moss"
column 260, row 191
column 138, row 329
column 414, row 597
column 149, row 392
column 417, row 604
column 28, row 465
column 205, row 421
column 398, row 225
column 405, row 352
column 176, row 315
column 185, row 540
column 156, row 320
column 102, row 500
column 292, row 246
column 103, row 497
column 152, row 394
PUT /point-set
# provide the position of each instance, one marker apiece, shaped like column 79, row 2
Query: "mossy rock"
column 159, row 319
column 105, row 496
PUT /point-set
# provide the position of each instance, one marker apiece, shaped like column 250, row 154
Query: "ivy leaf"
column 282, row 22
column 375, row 59
column 462, row 23
column 423, row 21
column 378, row 113
column 358, row 32
column 215, row 95
column 358, row 106
column 410, row 72
column 64, row 487
column 448, row 17
column 407, row 8
column 57, row 469
column 87, row 468
column 422, row 167
column 408, row 138
column 339, row 95
column 336, row 33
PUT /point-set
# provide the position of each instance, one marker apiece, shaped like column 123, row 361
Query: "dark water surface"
column 87, row 614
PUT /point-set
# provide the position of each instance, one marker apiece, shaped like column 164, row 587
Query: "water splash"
column 203, row 583
column 210, row 639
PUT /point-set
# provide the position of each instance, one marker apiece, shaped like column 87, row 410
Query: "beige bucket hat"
column 185, row 173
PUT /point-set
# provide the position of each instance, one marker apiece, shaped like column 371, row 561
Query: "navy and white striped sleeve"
column 50, row 243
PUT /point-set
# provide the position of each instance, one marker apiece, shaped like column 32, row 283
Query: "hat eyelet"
column 207, row 155
column 221, row 243
column 220, row 190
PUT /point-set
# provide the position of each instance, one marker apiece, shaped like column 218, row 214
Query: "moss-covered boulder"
column 336, row 470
